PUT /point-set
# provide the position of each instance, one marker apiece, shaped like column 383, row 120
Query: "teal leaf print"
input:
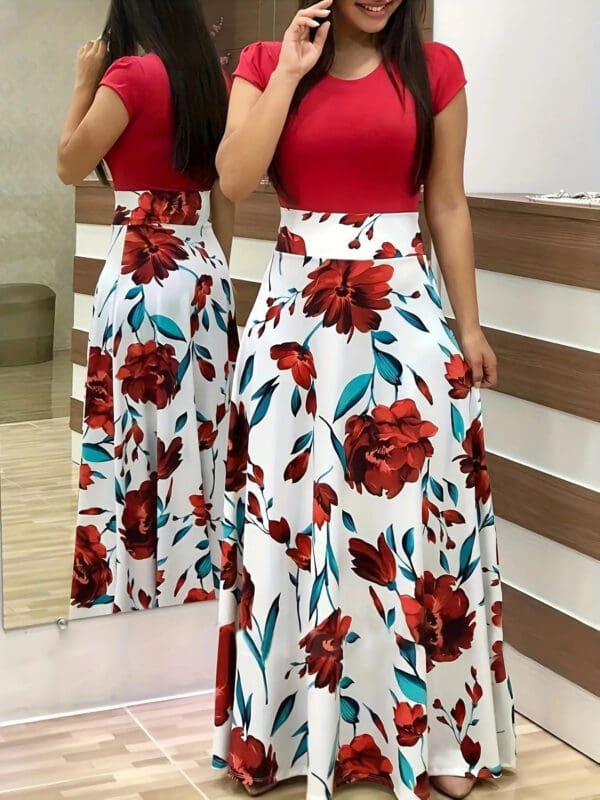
column 408, row 651
column 348, row 522
column 219, row 317
column 332, row 561
column 466, row 551
column 247, row 373
column 136, row 316
column 339, row 449
column 458, row 424
column 132, row 293
column 95, row 454
column 408, row 542
column 389, row 368
column 202, row 352
column 112, row 524
column 263, row 406
column 390, row 539
column 345, row 683
column 444, row 562
column 180, row 424
column 270, row 629
column 183, row 366
column 203, row 567
column 118, row 492
column 205, row 320
column 296, row 401
column 219, row 763
column 384, row 337
column 226, row 289
column 104, row 600
column 351, row 395
column 391, row 618
column 162, row 520
column 352, row 637
column 432, row 292
column 408, row 574
column 412, row 687
column 240, row 513
column 241, row 701
column 284, row 713
column 253, row 649
column 303, row 746
column 412, row 319
column 453, row 491
column 350, row 710
column 450, row 333
column 445, row 351
column 406, row 771
column 168, row 328
column 302, row 443
column 471, row 569
column 182, row 534
column 436, row 489
column 203, row 545
column 317, row 589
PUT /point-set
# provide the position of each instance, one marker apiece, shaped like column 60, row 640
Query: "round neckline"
column 356, row 80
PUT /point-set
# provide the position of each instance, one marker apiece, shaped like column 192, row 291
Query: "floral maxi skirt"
column 156, row 411
column 360, row 617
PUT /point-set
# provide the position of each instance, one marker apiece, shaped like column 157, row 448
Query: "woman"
column 162, row 334
column 360, row 619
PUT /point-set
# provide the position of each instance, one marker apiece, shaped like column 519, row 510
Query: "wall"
column 535, row 126
column 534, row 87
column 38, row 43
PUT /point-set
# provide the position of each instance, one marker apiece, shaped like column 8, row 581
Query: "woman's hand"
column 481, row 358
column 298, row 54
column 89, row 65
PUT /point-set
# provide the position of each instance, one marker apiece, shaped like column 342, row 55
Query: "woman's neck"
column 356, row 53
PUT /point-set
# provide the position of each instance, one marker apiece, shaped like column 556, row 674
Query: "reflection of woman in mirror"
column 150, row 98
column 361, row 617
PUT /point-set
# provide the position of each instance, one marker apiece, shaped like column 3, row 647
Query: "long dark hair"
column 176, row 32
column 401, row 45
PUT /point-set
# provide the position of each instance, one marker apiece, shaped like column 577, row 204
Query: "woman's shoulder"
column 441, row 56
column 257, row 63
column 446, row 74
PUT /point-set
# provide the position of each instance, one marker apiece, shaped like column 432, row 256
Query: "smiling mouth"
column 374, row 10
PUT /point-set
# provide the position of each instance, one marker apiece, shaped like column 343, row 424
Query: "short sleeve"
column 258, row 62
column 446, row 75
column 126, row 77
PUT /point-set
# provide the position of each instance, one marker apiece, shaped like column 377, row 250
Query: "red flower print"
column 279, row 530
column 151, row 253
column 439, row 619
column 225, row 683
column 324, row 498
column 498, row 665
column 200, row 509
column 237, row 449
column 362, row 760
column 452, row 517
column 473, row 464
column 149, row 373
column 355, row 220
column 247, row 600
column 377, row 565
column 458, row 375
column 249, row 760
column 497, row 613
column 199, row 596
column 288, row 242
column 139, row 521
column 388, row 250
column 121, row 215
column 297, row 467
column 91, row 573
column 411, row 723
column 86, row 477
column 167, row 208
column 324, row 646
column 471, row 751
column 459, row 713
column 292, row 355
column 229, row 570
column 387, row 448
column 169, row 459
column 99, row 392
column 203, row 289
column 348, row 294
column 207, row 435
column 419, row 248
column 422, row 787
column 311, row 402
column 301, row 554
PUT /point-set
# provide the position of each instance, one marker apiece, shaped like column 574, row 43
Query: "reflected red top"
column 142, row 158
column 351, row 145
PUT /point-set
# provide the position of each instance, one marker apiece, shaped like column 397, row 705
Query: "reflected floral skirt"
column 161, row 344
column 361, row 608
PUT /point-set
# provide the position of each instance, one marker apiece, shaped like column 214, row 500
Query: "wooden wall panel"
column 79, row 345
column 94, row 203
column 557, row 509
column 553, row 375
column 76, row 416
column 535, row 242
column 86, row 272
column 562, row 644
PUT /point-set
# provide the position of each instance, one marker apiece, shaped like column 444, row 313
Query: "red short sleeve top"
column 142, row 158
column 351, row 145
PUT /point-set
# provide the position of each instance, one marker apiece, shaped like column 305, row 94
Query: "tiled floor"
column 162, row 751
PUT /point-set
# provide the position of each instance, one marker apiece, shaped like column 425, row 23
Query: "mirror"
column 52, row 252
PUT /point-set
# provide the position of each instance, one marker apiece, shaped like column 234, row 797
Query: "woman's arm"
column 449, row 221
column 95, row 119
column 222, row 213
column 256, row 119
